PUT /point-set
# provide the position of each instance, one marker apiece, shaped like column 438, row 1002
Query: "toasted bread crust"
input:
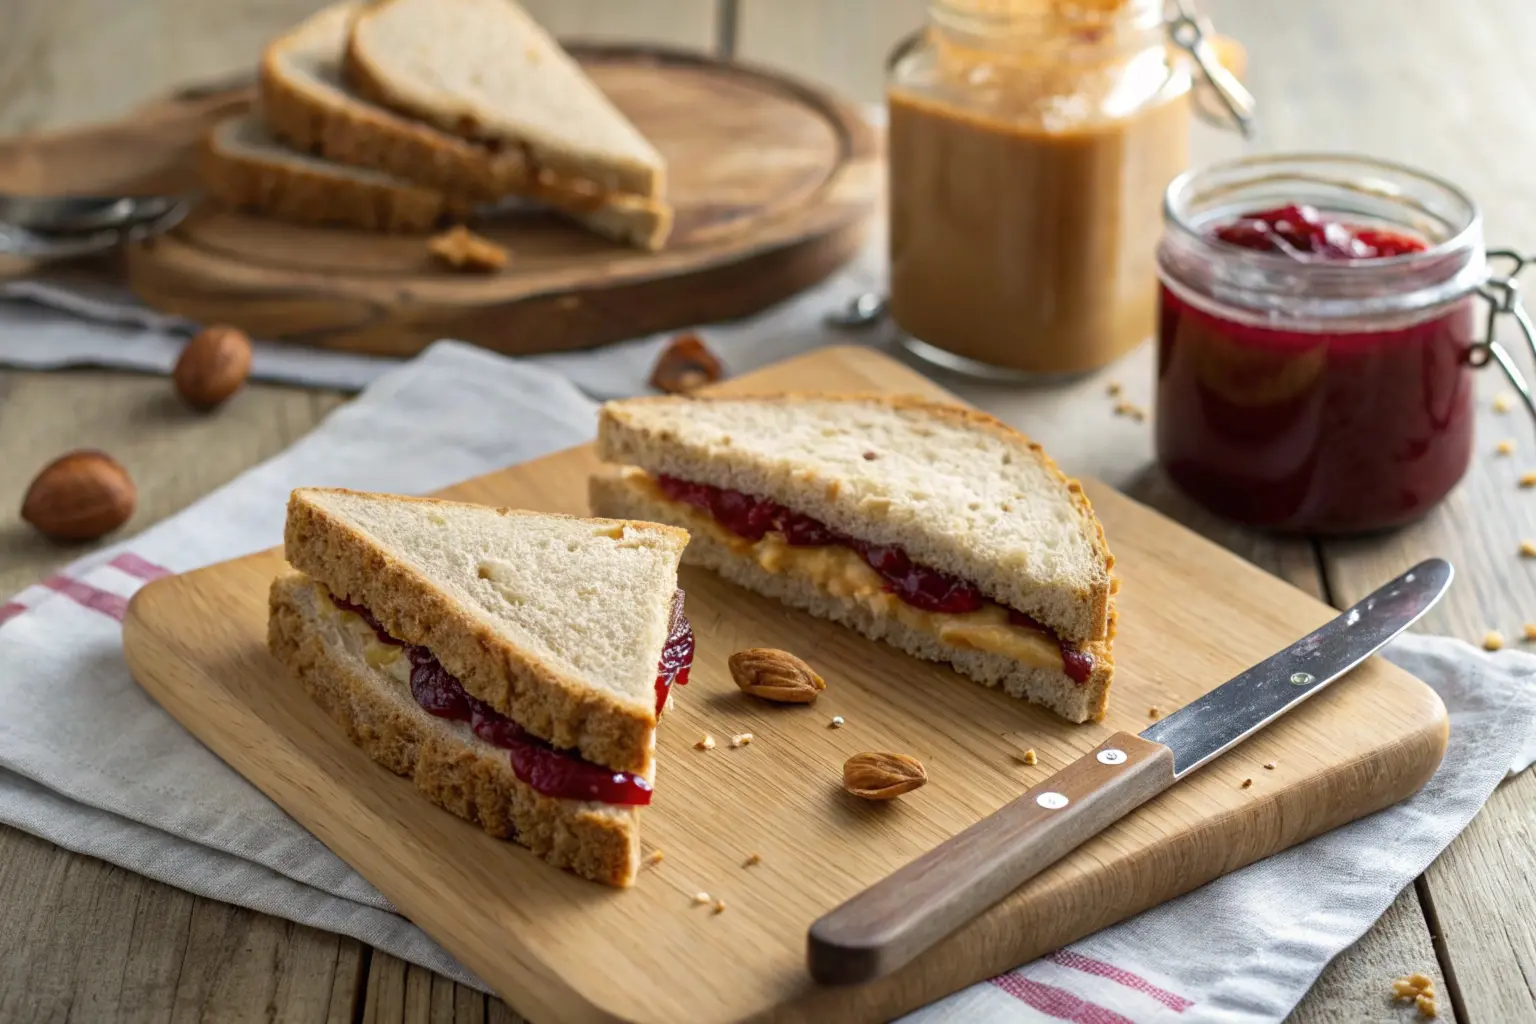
column 475, row 782
column 556, row 707
column 295, row 192
column 371, row 136
column 611, row 493
column 618, row 438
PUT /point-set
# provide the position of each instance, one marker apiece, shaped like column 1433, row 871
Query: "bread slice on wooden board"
column 1041, row 679
column 244, row 166
column 555, row 622
column 449, row 764
column 959, row 491
column 307, row 104
column 485, row 70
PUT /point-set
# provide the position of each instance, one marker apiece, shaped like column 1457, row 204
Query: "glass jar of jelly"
column 1316, row 340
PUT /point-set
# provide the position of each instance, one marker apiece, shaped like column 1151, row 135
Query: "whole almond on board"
column 685, row 365
column 81, row 495
column 881, row 776
column 775, row 675
column 213, row 366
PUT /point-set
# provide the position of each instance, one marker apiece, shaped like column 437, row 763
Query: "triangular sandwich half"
column 513, row 664
column 932, row 527
column 485, row 70
column 306, row 102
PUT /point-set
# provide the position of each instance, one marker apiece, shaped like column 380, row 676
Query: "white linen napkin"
column 90, row 762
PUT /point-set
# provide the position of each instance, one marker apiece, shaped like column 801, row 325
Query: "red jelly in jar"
column 1317, row 317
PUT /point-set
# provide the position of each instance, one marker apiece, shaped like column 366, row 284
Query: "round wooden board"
column 773, row 182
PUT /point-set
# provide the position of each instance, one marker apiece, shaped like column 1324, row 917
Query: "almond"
column 882, row 776
column 775, row 675
column 81, row 495
column 213, row 366
column 684, row 365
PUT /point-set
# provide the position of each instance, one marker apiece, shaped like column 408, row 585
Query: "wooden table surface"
column 1433, row 83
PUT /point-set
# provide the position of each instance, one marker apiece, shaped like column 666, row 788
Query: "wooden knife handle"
column 899, row 917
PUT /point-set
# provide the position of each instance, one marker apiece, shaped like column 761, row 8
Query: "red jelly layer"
column 549, row 770
column 1323, row 433
column 919, row 586
column 1307, row 235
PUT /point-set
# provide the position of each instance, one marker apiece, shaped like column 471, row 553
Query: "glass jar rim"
column 1452, row 265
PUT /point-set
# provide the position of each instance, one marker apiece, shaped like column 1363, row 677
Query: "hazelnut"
column 213, row 366
column 81, row 495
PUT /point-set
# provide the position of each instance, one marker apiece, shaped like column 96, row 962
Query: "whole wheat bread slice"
column 960, row 491
column 485, row 70
column 306, row 103
column 619, row 494
column 556, row 622
column 245, row 167
column 449, row 764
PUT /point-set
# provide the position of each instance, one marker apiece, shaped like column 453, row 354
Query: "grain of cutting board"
column 558, row 948
column 773, row 183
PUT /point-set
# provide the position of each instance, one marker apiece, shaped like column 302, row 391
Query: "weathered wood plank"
column 402, row 993
column 842, row 44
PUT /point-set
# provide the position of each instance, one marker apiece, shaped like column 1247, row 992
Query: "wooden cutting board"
column 560, row 949
column 774, row 182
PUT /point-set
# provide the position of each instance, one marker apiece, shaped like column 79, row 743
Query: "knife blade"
column 894, row 920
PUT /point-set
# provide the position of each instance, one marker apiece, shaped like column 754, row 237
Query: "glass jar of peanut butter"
column 1030, row 144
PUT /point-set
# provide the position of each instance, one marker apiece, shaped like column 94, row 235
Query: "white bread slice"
column 485, row 70
column 960, row 491
column 450, row 765
column 245, row 167
column 556, row 622
column 306, row 103
column 621, row 494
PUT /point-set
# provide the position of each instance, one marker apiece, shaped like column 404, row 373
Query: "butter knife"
column 894, row 920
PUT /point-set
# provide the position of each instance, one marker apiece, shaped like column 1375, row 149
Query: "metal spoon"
column 862, row 311
column 73, row 215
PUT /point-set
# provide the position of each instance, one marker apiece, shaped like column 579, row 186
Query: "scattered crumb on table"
column 1505, row 447
column 1269, row 765
column 741, row 739
column 836, row 723
column 1030, row 757
column 707, row 743
column 1493, row 640
column 1247, row 783
column 1154, row 712
column 1503, row 401
column 753, row 860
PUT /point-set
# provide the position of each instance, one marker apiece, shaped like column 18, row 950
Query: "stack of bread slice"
column 398, row 114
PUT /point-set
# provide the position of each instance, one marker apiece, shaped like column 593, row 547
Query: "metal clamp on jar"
column 1316, row 339
column 1029, row 145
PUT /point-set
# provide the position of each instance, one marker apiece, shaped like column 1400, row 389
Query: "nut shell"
column 878, row 775
column 213, row 366
column 775, row 675
column 81, row 495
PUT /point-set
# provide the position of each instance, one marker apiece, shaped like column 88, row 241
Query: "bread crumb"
column 654, row 859
column 836, row 723
column 1503, row 402
column 1420, row 989
column 719, row 907
column 701, row 898
column 1269, row 765
column 1528, row 479
column 1131, row 409
column 741, row 739
column 1247, row 783
column 753, row 860
column 1154, row 712
column 1505, row 447
column 1030, row 757
column 870, row 456
column 1114, row 389
column 1530, row 631
column 462, row 249
column 1528, row 549
column 707, row 743
column 1493, row 640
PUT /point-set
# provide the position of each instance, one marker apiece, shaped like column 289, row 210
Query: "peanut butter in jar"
column 1030, row 144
